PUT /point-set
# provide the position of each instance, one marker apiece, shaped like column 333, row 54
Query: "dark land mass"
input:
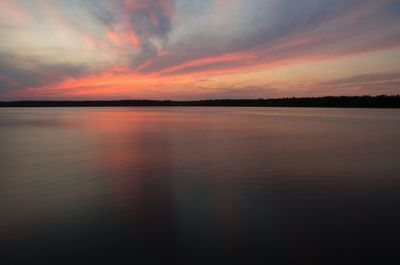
column 331, row 102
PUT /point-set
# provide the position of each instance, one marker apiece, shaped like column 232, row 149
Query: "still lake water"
column 199, row 185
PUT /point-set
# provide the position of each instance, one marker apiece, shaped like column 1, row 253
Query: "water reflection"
column 197, row 185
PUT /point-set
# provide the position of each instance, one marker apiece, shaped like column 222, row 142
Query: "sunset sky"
column 198, row 49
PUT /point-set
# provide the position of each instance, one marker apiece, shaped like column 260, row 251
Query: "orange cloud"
column 129, row 37
column 133, row 38
column 111, row 35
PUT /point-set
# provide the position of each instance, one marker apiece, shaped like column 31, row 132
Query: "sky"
column 198, row 49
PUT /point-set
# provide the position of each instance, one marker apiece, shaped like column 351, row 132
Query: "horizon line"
column 381, row 101
column 195, row 100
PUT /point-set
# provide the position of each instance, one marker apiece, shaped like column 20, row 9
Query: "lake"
column 199, row 185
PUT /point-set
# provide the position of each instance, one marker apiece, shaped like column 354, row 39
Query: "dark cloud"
column 374, row 83
column 151, row 19
column 22, row 72
column 366, row 78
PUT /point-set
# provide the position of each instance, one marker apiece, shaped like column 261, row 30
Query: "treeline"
column 341, row 102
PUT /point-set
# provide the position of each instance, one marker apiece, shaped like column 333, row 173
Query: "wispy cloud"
column 377, row 83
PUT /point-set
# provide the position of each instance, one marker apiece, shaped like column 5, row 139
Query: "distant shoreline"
column 318, row 102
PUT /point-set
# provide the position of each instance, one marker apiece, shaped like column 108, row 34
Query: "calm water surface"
column 199, row 185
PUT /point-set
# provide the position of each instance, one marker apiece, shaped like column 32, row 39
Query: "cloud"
column 145, row 24
column 283, row 31
column 46, row 42
column 375, row 83
column 361, row 79
column 19, row 73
